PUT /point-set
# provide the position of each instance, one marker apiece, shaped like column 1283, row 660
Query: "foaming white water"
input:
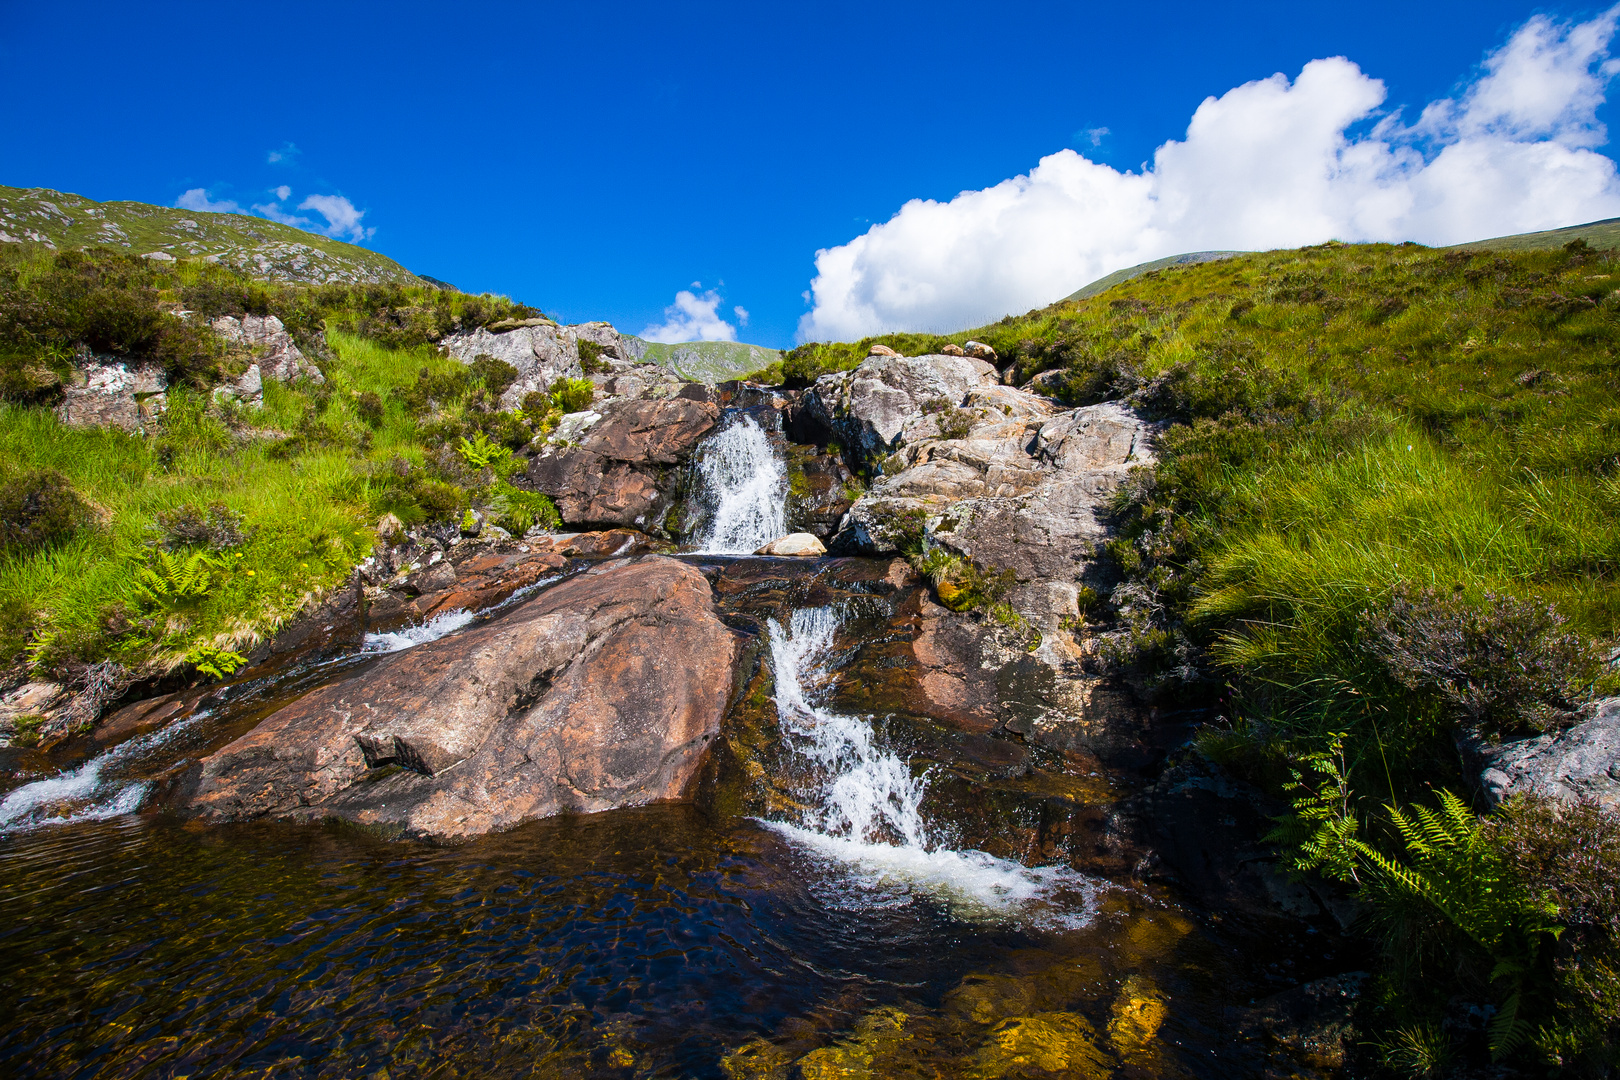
column 868, row 818
column 446, row 622
column 85, row 794
column 745, row 481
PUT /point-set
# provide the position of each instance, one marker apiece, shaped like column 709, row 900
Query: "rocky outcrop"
column 1582, row 762
column 619, row 466
column 107, row 392
column 602, row 692
column 1012, row 482
column 422, row 578
column 869, row 407
column 542, row 351
column 279, row 358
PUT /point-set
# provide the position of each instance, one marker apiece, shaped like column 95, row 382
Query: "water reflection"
column 644, row 942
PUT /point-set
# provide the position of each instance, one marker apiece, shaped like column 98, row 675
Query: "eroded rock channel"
column 705, row 813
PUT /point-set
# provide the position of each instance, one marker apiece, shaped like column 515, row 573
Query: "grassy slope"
column 1345, row 425
column 308, row 514
column 1600, row 234
column 1103, row 284
column 710, row 361
column 1345, row 421
column 264, row 248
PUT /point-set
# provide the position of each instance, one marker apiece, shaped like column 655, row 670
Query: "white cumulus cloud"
column 1271, row 163
column 197, row 199
column 694, row 318
column 342, row 219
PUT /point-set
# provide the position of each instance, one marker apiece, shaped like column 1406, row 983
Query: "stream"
column 824, row 908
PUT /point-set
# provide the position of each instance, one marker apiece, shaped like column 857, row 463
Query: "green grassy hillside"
column 262, row 248
column 161, row 551
column 1385, row 515
column 710, row 361
column 1599, row 234
column 1103, row 284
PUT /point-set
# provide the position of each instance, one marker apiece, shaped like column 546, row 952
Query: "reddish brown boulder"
column 604, row 691
column 621, row 471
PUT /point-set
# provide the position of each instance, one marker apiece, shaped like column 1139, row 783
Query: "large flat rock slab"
column 602, row 692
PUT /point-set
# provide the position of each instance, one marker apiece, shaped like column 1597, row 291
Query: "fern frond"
column 1507, row 1031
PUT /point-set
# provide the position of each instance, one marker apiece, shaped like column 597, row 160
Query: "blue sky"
column 596, row 159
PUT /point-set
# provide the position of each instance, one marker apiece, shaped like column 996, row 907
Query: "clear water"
column 742, row 481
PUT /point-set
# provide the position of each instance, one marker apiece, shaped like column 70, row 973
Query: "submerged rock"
column 621, row 468
column 603, row 692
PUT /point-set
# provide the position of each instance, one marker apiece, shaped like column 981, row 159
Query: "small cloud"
column 694, row 318
column 742, row 315
column 283, row 192
column 285, row 156
column 342, row 219
column 197, row 199
column 1095, row 135
column 274, row 212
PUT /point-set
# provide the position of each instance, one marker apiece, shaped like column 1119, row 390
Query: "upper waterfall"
column 743, row 481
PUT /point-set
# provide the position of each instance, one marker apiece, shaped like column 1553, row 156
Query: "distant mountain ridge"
column 1600, row 234
column 265, row 249
column 710, row 361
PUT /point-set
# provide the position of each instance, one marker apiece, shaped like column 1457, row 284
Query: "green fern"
column 215, row 663
column 1323, row 831
column 1454, row 871
column 480, row 452
column 171, row 580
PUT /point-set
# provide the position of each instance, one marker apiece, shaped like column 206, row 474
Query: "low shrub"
column 572, row 395
column 496, row 375
column 219, row 528
column 369, row 407
column 1502, row 666
column 590, row 357
column 38, row 508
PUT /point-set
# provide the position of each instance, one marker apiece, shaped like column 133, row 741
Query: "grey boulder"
column 1580, row 762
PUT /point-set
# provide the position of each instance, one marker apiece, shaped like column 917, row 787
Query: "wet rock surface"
column 602, row 692
column 620, row 464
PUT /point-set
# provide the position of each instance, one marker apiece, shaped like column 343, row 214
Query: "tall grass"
column 307, row 515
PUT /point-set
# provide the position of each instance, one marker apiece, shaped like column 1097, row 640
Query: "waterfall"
column 866, row 812
column 743, row 482
column 92, row 792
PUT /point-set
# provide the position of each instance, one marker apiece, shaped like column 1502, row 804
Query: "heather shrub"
column 1502, row 666
column 38, row 508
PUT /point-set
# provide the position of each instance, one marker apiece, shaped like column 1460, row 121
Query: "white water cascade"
column 868, row 815
column 745, row 481
column 92, row 792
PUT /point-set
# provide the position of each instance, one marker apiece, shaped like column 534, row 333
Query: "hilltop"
column 264, row 249
column 1599, row 234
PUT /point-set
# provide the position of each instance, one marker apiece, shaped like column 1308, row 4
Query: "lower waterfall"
column 866, row 812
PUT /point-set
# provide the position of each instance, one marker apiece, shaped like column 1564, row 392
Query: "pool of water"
column 645, row 942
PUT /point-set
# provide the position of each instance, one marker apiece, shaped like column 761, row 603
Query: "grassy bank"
column 1385, row 515
column 187, row 547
